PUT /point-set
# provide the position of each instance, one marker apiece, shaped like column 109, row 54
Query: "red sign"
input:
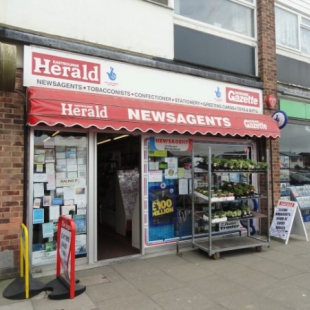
column 65, row 68
column 271, row 101
column 66, row 251
column 70, row 108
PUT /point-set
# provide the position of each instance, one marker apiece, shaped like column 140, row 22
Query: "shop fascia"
column 55, row 69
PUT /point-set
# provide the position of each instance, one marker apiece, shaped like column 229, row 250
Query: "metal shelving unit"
column 216, row 242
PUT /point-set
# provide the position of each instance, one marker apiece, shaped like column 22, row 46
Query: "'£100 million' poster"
column 162, row 205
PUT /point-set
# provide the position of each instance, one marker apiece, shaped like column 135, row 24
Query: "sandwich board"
column 287, row 219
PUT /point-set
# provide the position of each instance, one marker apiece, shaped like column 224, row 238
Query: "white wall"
column 134, row 25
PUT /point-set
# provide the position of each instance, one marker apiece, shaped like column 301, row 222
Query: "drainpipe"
column 25, row 157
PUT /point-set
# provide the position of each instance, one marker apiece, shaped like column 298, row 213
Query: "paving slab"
column 245, row 257
column 275, row 255
column 253, row 280
column 279, row 271
column 184, row 298
column 299, row 263
column 81, row 302
column 157, row 283
column 166, row 261
column 136, row 269
column 93, row 271
column 301, row 280
column 249, row 300
column 289, row 295
column 222, row 266
column 110, row 290
column 216, row 286
column 22, row 305
column 187, row 272
column 132, row 302
column 94, row 280
column 293, row 249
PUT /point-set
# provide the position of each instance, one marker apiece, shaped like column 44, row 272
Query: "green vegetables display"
column 238, row 189
column 232, row 212
column 235, row 164
column 229, row 189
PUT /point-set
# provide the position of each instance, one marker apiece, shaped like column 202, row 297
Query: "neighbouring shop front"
column 295, row 153
column 111, row 146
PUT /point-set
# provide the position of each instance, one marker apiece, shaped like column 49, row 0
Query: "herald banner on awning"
column 69, row 108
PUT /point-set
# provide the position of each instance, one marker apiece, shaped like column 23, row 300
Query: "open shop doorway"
column 118, row 190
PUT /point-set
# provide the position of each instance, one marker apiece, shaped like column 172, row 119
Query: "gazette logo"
column 65, row 68
column 244, row 97
column 254, row 124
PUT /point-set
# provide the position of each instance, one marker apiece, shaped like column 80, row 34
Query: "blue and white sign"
column 281, row 117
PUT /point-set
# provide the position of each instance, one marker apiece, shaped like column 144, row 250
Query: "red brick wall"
column 267, row 68
column 11, row 173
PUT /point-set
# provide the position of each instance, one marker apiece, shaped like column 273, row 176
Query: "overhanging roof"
column 71, row 108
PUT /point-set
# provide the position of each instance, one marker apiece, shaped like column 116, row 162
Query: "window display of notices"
column 80, row 244
column 80, row 223
column 58, row 189
column 38, row 216
column 47, row 230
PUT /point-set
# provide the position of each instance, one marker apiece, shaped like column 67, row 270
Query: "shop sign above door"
column 52, row 107
column 60, row 70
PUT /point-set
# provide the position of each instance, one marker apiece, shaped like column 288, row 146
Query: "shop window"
column 59, row 188
column 294, row 158
column 170, row 186
column 236, row 16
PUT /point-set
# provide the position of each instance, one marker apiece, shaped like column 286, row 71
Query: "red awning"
column 70, row 108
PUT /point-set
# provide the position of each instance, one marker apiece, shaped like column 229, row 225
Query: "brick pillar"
column 11, row 178
column 267, row 71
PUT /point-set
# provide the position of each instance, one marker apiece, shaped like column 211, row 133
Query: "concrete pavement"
column 276, row 278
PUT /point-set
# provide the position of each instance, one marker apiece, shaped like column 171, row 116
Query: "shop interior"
column 118, row 206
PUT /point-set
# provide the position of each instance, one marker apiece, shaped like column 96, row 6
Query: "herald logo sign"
column 65, row 68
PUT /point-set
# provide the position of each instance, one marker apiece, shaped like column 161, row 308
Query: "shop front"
column 295, row 153
column 114, row 145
